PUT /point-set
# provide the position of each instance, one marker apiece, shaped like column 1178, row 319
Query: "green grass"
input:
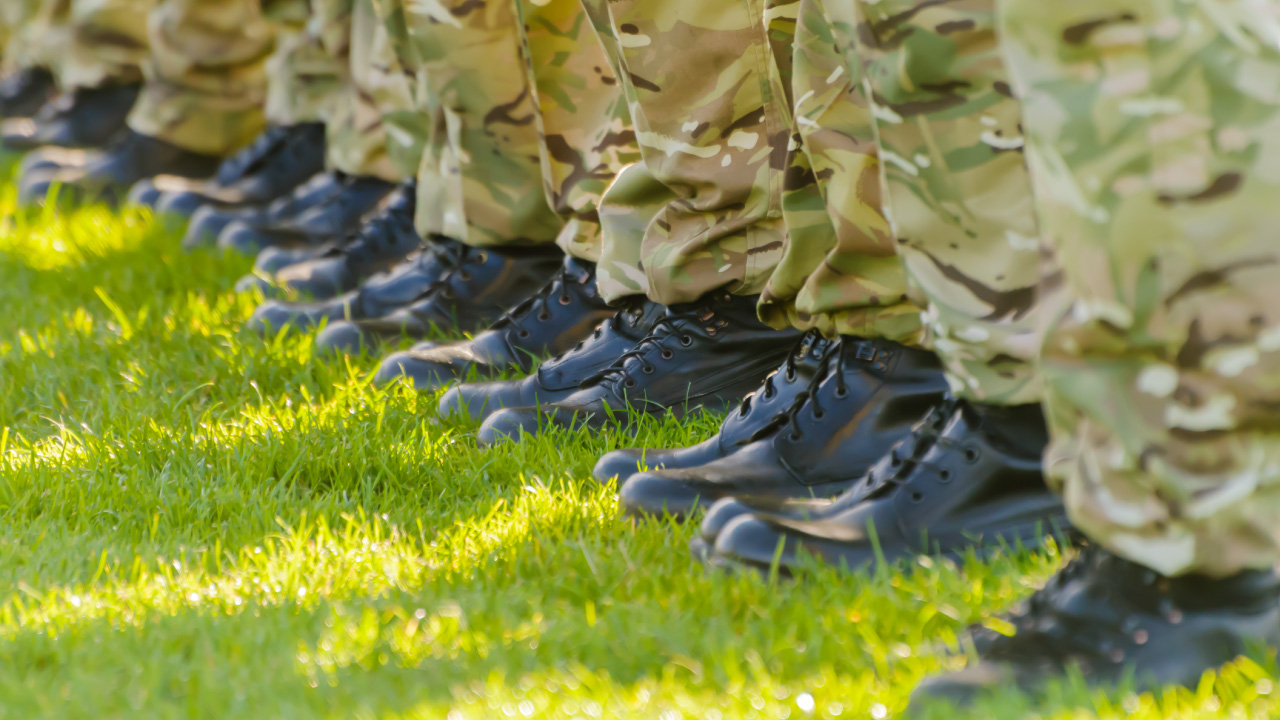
column 198, row 523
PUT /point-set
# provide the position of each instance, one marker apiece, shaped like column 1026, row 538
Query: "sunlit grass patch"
column 202, row 523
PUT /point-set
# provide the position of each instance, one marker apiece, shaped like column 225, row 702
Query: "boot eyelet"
column 842, row 392
column 711, row 331
column 917, row 497
column 523, row 334
column 464, row 276
column 649, row 369
column 794, row 437
column 667, row 354
column 818, row 414
column 544, row 316
column 971, row 455
column 630, row 383
column 944, row 476
column 790, row 375
column 565, row 300
column 685, row 340
column 483, row 257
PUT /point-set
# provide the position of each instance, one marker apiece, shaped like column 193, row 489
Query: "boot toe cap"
column 180, row 204
column 243, row 238
column 510, row 424
column 620, row 465
column 252, row 282
column 344, row 337
column 718, row 517
column 144, row 193
column 657, row 494
column 749, row 541
column 206, row 225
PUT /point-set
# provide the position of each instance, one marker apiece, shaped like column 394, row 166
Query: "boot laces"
column 840, row 356
column 660, row 338
column 630, row 315
column 558, row 288
column 908, row 454
column 787, row 371
column 380, row 232
column 252, row 157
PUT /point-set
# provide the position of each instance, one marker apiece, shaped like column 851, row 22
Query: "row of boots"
column 847, row 451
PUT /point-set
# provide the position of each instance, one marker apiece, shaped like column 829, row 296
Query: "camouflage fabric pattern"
column 377, row 85
column 584, row 126
column 14, row 16
column 84, row 43
column 309, row 70
column 703, row 98
column 467, row 54
column 957, row 190
column 840, row 271
column 206, row 78
column 1153, row 131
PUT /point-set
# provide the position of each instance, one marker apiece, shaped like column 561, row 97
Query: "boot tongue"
column 1018, row 430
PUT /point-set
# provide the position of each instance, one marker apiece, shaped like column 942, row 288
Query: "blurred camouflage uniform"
column 704, row 100
column 85, row 43
column 586, row 135
column 206, row 77
column 376, row 86
column 1153, row 141
column 957, row 192
column 840, row 271
column 478, row 119
column 308, row 72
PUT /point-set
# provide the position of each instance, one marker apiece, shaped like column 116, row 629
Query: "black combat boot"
column 83, row 118
column 967, row 477
column 548, row 322
column 707, row 354
column 561, row 376
column 378, row 296
column 1115, row 621
column 273, row 165
column 481, row 284
column 756, row 413
column 870, row 397
column 208, row 222
column 328, row 222
column 24, row 92
column 387, row 237
column 130, row 158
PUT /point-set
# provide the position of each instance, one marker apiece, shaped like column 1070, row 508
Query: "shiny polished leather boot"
column 24, row 92
column 481, row 284
column 208, row 222
column 387, row 237
column 954, row 485
column 1115, row 623
column 756, row 413
column 132, row 157
column 83, row 118
column 337, row 216
column 281, row 159
column 872, row 394
column 709, row 354
column 378, row 296
column 561, row 376
column 549, row 322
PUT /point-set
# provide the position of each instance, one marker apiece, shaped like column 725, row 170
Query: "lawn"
column 201, row 523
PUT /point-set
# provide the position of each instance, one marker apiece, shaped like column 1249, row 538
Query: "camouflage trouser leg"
column 704, row 98
column 107, row 43
column 584, row 125
column 14, row 16
column 206, row 79
column 840, row 271
column 468, row 55
column 31, row 28
column 378, row 85
column 958, row 193
column 1153, row 133
column 308, row 72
